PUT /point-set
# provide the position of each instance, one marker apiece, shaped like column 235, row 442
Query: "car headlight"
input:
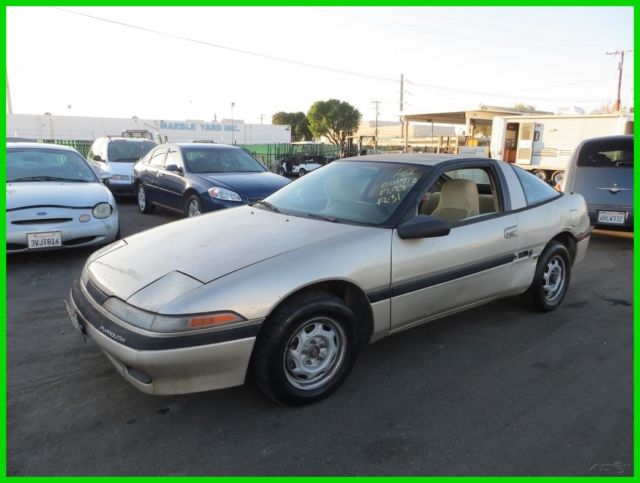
column 224, row 194
column 168, row 323
column 102, row 210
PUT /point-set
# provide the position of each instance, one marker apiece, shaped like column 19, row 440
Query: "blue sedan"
column 194, row 178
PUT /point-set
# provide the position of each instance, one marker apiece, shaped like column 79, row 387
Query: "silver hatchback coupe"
column 288, row 288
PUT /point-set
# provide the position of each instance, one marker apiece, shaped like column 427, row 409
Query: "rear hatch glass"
column 604, row 174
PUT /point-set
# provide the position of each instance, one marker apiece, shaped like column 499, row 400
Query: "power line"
column 512, row 43
column 303, row 64
column 492, row 94
column 226, row 47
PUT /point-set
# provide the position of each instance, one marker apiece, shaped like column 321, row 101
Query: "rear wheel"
column 192, row 207
column 281, row 171
column 551, row 279
column 557, row 177
column 306, row 349
column 302, row 172
column 541, row 174
column 144, row 204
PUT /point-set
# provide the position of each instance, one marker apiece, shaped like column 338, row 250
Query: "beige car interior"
column 458, row 199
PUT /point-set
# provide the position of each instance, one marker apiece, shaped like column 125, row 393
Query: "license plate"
column 120, row 177
column 44, row 240
column 75, row 321
column 612, row 217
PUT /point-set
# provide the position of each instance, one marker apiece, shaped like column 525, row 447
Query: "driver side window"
column 461, row 194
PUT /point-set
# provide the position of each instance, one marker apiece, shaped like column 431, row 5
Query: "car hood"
column 55, row 193
column 247, row 185
column 206, row 248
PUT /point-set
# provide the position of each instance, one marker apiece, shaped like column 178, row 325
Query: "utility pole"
column 620, row 67
column 233, row 104
column 403, row 129
column 375, row 139
column 401, row 93
column 9, row 106
column 261, row 118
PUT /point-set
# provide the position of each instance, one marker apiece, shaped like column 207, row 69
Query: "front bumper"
column 166, row 363
column 121, row 186
column 73, row 233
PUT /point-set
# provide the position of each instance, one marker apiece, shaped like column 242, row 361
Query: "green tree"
column 522, row 107
column 298, row 122
column 333, row 118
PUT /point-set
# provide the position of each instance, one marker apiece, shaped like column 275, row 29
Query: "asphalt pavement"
column 497, row 390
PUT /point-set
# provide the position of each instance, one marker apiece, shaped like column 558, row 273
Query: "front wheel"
column 551, row 279
column 281, row 171
column 144, row 204
column 306, row 349
column 192, row 207
column 302, row 172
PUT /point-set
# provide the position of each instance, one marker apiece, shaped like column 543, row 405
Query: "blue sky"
column 452, row 58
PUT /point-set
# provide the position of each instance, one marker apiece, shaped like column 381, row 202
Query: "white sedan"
column 55, row 200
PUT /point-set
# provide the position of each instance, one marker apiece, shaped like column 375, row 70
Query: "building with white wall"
column 48, row 126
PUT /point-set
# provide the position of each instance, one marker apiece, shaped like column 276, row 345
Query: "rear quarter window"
column 607, row 154
column 535, row 190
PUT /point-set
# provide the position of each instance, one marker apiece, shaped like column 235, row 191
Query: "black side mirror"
column 423, row 226
column 97, row 157
column 173, row 168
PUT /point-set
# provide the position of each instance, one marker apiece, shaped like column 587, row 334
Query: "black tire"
column 551, row 280
column 302, row 172
column 144, row 205
column 282, row 171
column 193, row 206
column 330, row 350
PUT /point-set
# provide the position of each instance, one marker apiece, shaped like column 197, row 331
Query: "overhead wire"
column 320, row 66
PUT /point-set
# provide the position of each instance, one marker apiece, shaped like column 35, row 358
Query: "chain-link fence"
column 268, row 154
column 80, row 145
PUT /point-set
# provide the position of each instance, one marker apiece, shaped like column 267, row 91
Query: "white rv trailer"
column 544, row 143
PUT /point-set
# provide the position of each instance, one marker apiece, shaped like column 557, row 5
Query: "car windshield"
column 128, row 151
column 220, row 160
column 41, row 164
column 349, row 191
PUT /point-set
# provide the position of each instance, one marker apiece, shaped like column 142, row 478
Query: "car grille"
column 41, row 221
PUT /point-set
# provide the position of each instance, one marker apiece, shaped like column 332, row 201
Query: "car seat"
column 458, row 200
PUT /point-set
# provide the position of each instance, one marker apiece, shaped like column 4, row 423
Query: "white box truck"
column 543, row 143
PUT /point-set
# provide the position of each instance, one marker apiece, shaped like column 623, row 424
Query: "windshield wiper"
column 47, row 178
column 322, row 217
column 268, row 205
column 125, row 160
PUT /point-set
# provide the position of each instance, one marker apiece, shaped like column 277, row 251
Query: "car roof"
column 616, row 137
column 40, row 146
column 426, row 159
column 135, row 140
column 204, row 145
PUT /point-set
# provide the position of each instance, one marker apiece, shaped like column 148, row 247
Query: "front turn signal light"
column 214, row 320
